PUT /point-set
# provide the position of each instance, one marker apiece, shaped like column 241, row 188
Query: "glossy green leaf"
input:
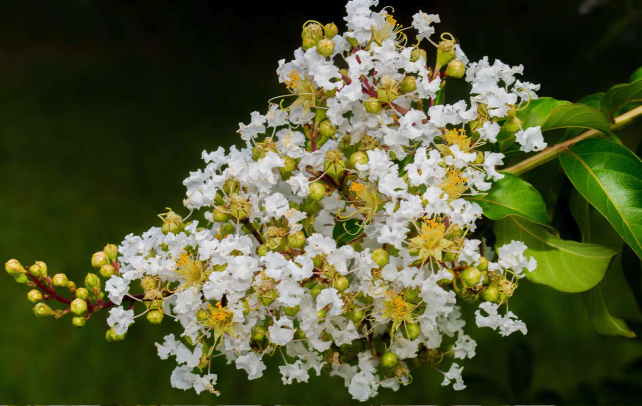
column 619, row 95
column 637, row 75
column 603, row 322
column 593, row 101
column 513, row 196
column 609, row 176
column 538, row 110
column 576, row 116
column 567, row 266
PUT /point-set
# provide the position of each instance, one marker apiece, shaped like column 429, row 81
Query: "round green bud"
column 113, row 337
column 412, row 296
column 78, row 321
column 321, row 314
column 220, row 215
column 331, row 30
column 112, row 251
column 275, row 243
column 318, row 261
column 308, row 43
column 269, row 297
column 490, row 294
column 418, row 53
column 389, row 360
column 387, row 95
column 449, row 257
column 34, row 296
column 99, row 259
column 358, row 158
column 483, row 264
column 92, row 281
column 341, row 283
column 14, row 267
column 155, row 316
column 373, row 105
column 334, row 164
column 456, row 69
column 82, row 293
column 479, row 159
column 296, row 240
column 60, row 280
column 326, row 129
column 408, row 84
column 471, row 276
column 262, row 250
column 78, row 307
column 410, row 331
column 316, row 290
column 380, row 257
column 325, row 47
column 357, row 316
column 107, row 271
column 290, row 165
column 317, row 191
column 258, row 333
column 72, row 286
column 21, row 278
column 148, row 282
column 352, row 41
column 291, row 311
column 300, row 335
column 41, row 310
column 38, row 269
column 512, row 125
column 227, row 229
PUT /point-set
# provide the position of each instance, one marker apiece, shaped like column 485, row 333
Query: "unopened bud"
column 308, row 43
column 483, row 264
column 155, row 316
column 148, row 282
column 99, row 259
column 490, row 294
column 380, row 257
column 78, row 307
column 14, row 267
column 326, row 129
column 331, row 30
column 358, row 158
column 41, row 310
column 82, row 293
column 357, row 316
column 479, row 159
column 512, row 125
column 410, row 331
column 34, row 296
column 418, row 53
column 92, row 281
column 262, row 250
column 321, row 314
column 296, row 240
column 456, row 69
column 408, row 84
column 471, row 276
column 334, row 164
column 317, row 191
column 107, row 271
column 38, row 269
column 258, row 333
column 325, row 47
column 389, row 360
column 291, row 311
column 269, row 297
column 78, row 321
column 220, row 215
column 112, row 337
column 112, row 251
column 341, row 283
column 288, row 167
column 372, row 105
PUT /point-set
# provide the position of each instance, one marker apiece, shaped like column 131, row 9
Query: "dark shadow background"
column 105, row 108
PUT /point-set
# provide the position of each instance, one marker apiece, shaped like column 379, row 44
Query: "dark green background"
column 106, row 107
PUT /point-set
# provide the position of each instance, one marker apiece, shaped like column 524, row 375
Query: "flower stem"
column 550, row 153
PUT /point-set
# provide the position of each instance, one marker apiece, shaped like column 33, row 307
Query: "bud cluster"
column 342, row 235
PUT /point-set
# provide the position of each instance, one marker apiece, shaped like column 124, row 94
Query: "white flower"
column 120, row 319
column 511, row 256
column 507, row 324
column 252, row 364
column 282, row 331
column 422, row 23
column 454, row 374
column 116, row 287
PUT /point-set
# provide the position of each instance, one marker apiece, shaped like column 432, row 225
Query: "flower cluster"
column 341, row 236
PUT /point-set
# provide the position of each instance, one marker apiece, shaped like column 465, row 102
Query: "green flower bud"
column 22, row 278
column 78, row 321
column 269, row 297
column 78, row 307
column 41, row 310
column 38, row 269
column 291, row 311
column 239, row 207
column 308, row 43
column 34, row 296
column 106, row 271
column 373, row 105
column 227, row 229
column 318, row 260
column 99, row 259
column 317, row 191
column 331, row 30
column 410, row 331
column 321, row 314
column 483, row 264
column 300, row 335
column 296, row 240
column 220, row 215
column 112, row 251
column 358, row 158
column 408, row 84
column 512, row 125
column 490, row 294
column 456, row 69
column 290, row 165
column 479, row 159
column 112, row 337
column 325, row 47
column 262, row 250
column 82, row 293
column 418, row 53
column 334, row 164
column 387, row 95
column 449, row 257
column 258, row 333
column 380, row 257
column 155, row 316
column 445, row 53
column 316, row 290
column 92, row 281
column 72, row 286
column 412, row 296
column 471, row 276
column 14, row 267
column 341, row 283
column 326, row 129
column 389, row 360
column 312, row 30
column 357, row 316
column 148, row 282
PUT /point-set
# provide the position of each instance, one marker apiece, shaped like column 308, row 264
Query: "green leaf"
column 609, row 176
column 637, row 75
column 567, row 266
column 593, row 101
column 576, row 115
column 346, row 231
column 619, row 95
column 603, row 322
column 538, row 110
column 513, row 196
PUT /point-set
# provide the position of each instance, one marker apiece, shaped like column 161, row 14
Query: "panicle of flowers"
column 340, row 237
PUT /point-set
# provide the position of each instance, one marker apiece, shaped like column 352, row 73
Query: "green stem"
column 550, row 153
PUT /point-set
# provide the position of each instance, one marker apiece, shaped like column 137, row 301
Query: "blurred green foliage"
column 107, row 107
